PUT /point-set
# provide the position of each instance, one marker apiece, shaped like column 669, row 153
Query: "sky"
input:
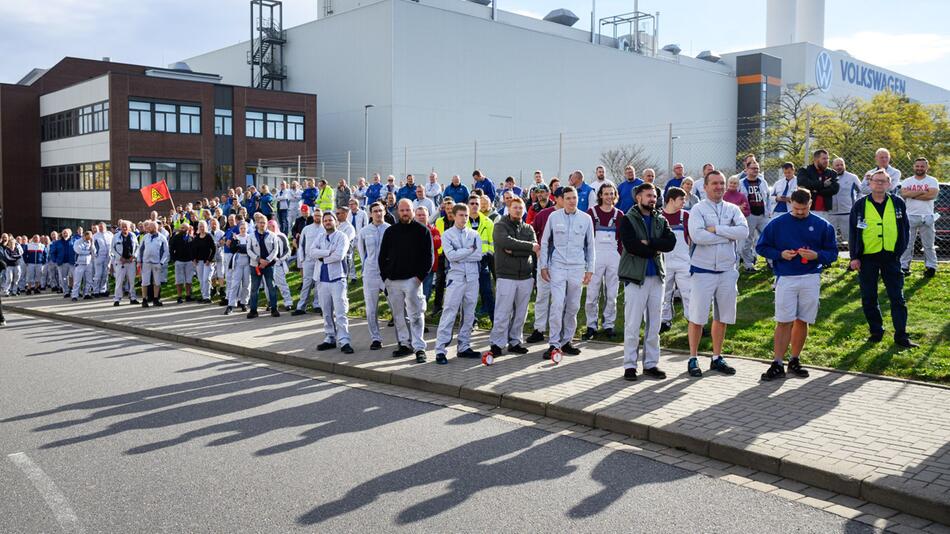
column 909, row 37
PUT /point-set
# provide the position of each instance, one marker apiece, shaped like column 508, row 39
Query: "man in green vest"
column 325, row 198
column 878, row 235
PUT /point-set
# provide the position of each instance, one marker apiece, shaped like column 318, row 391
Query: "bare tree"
column 615, row 160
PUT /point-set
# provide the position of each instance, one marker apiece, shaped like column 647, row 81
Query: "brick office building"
column 77, row 141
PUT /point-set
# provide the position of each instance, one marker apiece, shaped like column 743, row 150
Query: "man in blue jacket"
column 457, row 191
column 407, row 191
column 483, row 183
column 798, row 244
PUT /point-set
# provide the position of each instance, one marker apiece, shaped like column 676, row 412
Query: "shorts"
column 184, row 272
column 719, row 290
column 796, row 297
column 152, row 273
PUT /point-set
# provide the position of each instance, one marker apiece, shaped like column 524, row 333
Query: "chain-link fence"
column 656, row 146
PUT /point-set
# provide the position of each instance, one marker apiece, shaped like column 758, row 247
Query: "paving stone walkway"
column 882, row 440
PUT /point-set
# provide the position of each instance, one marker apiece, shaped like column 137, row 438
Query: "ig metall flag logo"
column 823, row 71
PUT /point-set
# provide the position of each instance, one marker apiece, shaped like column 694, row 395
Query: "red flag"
column 155, row 193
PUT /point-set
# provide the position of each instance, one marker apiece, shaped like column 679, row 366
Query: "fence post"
column 669, row 156
column 475, row 156
column 405, row 160
column 298, row 167
column 323, row 170
column 347, row 167
column 807, row 136
column 258, row 173
column 560, row 153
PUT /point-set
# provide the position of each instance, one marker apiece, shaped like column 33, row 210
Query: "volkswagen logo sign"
column 823, row 70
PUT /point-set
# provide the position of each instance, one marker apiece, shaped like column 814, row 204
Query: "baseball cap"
column 541, row 187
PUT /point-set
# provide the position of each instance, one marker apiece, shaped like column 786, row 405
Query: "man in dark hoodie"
column 405, row 259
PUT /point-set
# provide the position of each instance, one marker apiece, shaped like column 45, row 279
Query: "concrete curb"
column 846, row 478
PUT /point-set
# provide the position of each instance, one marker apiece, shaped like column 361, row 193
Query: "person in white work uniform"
column 434, row 190
column 331, row 251
column 282, row 265
column 515, row 249
column 125, row 248
column 715, row 227
column 783, row 189
column 239, row 270
column 606, row 219
column 919, row 192
column 307, row 264
column 84, row 274
column 849, row 189
column 646, row 235
column 567, row 263
column 369, row 240
column 153, row 258
column 343, row 225
column 676, row 261
column 463, row 250
column 358, row 219
column 102, row 259
column 882, row 158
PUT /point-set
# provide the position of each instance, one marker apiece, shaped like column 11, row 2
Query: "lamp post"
column 366, row 139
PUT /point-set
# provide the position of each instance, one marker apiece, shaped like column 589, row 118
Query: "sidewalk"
column 883, row 441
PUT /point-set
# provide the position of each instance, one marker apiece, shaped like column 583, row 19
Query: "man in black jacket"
column 180, row 250
column 821, row 181
column 405, row 259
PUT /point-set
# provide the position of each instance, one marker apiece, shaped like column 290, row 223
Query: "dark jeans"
column 485, row 290
column 439, row 284
column 283, row 222
column 267, row 273
column 888, row 267
column 427, row 286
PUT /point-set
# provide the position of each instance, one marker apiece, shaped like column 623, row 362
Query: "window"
column 79, row 121
column 140, row 175
column 178, row 176
column 140, row 115
column 165, row 119
column 275, row 126
column 254, row 124
column 223, row 177
column 295, row 127
column 80, row 177
column 222, row 122
column 190, row 117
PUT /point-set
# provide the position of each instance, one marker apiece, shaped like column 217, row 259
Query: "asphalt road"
column 107, row 433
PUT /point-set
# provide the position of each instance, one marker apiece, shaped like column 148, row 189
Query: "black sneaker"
column 665, row 326
column 630, row 374
column 318, row 311
column 180, row 300
column 274, row 313
column 906, row 343
column 469, row 353
column 242, row 306
column 517, row 349
column 570, row 350
column 391, row 323
column 297, row 313
column 588, row 334
column 375, row 345
column 133, row 301
column 75, row 299
column 420, row 356
column 441, row 359
column 188, row 298
column 116, row 304
column 401, row 350
column 536, row 337
column 326, row 345
column 496, row 351
column 654, row 372
column 906, row 272
column 224, row 302
column 776, row 370
column 930, row 272
column 252, row 314
column 346, row 349
column 228, row 310
column 719, row 364
column 795, row 367
column 158, row 303
column 609, row 332
column 547, row 354
column 876, row 338
column 145, row 304
column 692, row 367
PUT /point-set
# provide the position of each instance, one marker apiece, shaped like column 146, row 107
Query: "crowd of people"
column 487, row 250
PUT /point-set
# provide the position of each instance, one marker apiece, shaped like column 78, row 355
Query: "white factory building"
column 454, row 84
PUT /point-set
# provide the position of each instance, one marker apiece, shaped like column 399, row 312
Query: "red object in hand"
column 804, row 259
column 258, row 270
